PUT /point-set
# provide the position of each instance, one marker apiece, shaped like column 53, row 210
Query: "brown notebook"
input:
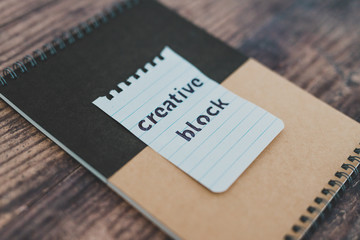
column 277, row 188
column 281, row 192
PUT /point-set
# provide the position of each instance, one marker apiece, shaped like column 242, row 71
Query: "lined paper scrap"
column 201, row 127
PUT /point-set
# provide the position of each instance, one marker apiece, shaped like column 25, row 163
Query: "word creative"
column 170, row 104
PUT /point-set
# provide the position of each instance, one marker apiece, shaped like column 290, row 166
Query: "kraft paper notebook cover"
column 281, row 194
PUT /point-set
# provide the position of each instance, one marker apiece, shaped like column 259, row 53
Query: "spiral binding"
column 140, row 72
column 59, row 43
column 315, row 213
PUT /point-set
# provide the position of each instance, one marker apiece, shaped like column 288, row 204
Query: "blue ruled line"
column 216, row 163
column 162, row 76
column 185, row 112
column 222, row 139
column 216, row 181
column 197, row 148
column 166, row 86
column 186, row 127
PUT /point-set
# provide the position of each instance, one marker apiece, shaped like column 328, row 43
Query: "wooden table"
column 44, row 193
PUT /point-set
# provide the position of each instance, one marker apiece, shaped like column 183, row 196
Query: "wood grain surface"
column 45, row 194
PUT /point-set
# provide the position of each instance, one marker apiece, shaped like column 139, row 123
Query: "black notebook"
column 56, row 89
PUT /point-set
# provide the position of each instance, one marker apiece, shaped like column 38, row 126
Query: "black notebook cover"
column 57, row 94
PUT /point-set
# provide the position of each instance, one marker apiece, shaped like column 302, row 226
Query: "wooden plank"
column 47, row 194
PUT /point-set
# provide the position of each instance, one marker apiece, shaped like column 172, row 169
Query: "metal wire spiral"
column 59, row 43
column 315, row 213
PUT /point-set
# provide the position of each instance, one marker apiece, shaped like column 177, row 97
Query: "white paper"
column 223, row 132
